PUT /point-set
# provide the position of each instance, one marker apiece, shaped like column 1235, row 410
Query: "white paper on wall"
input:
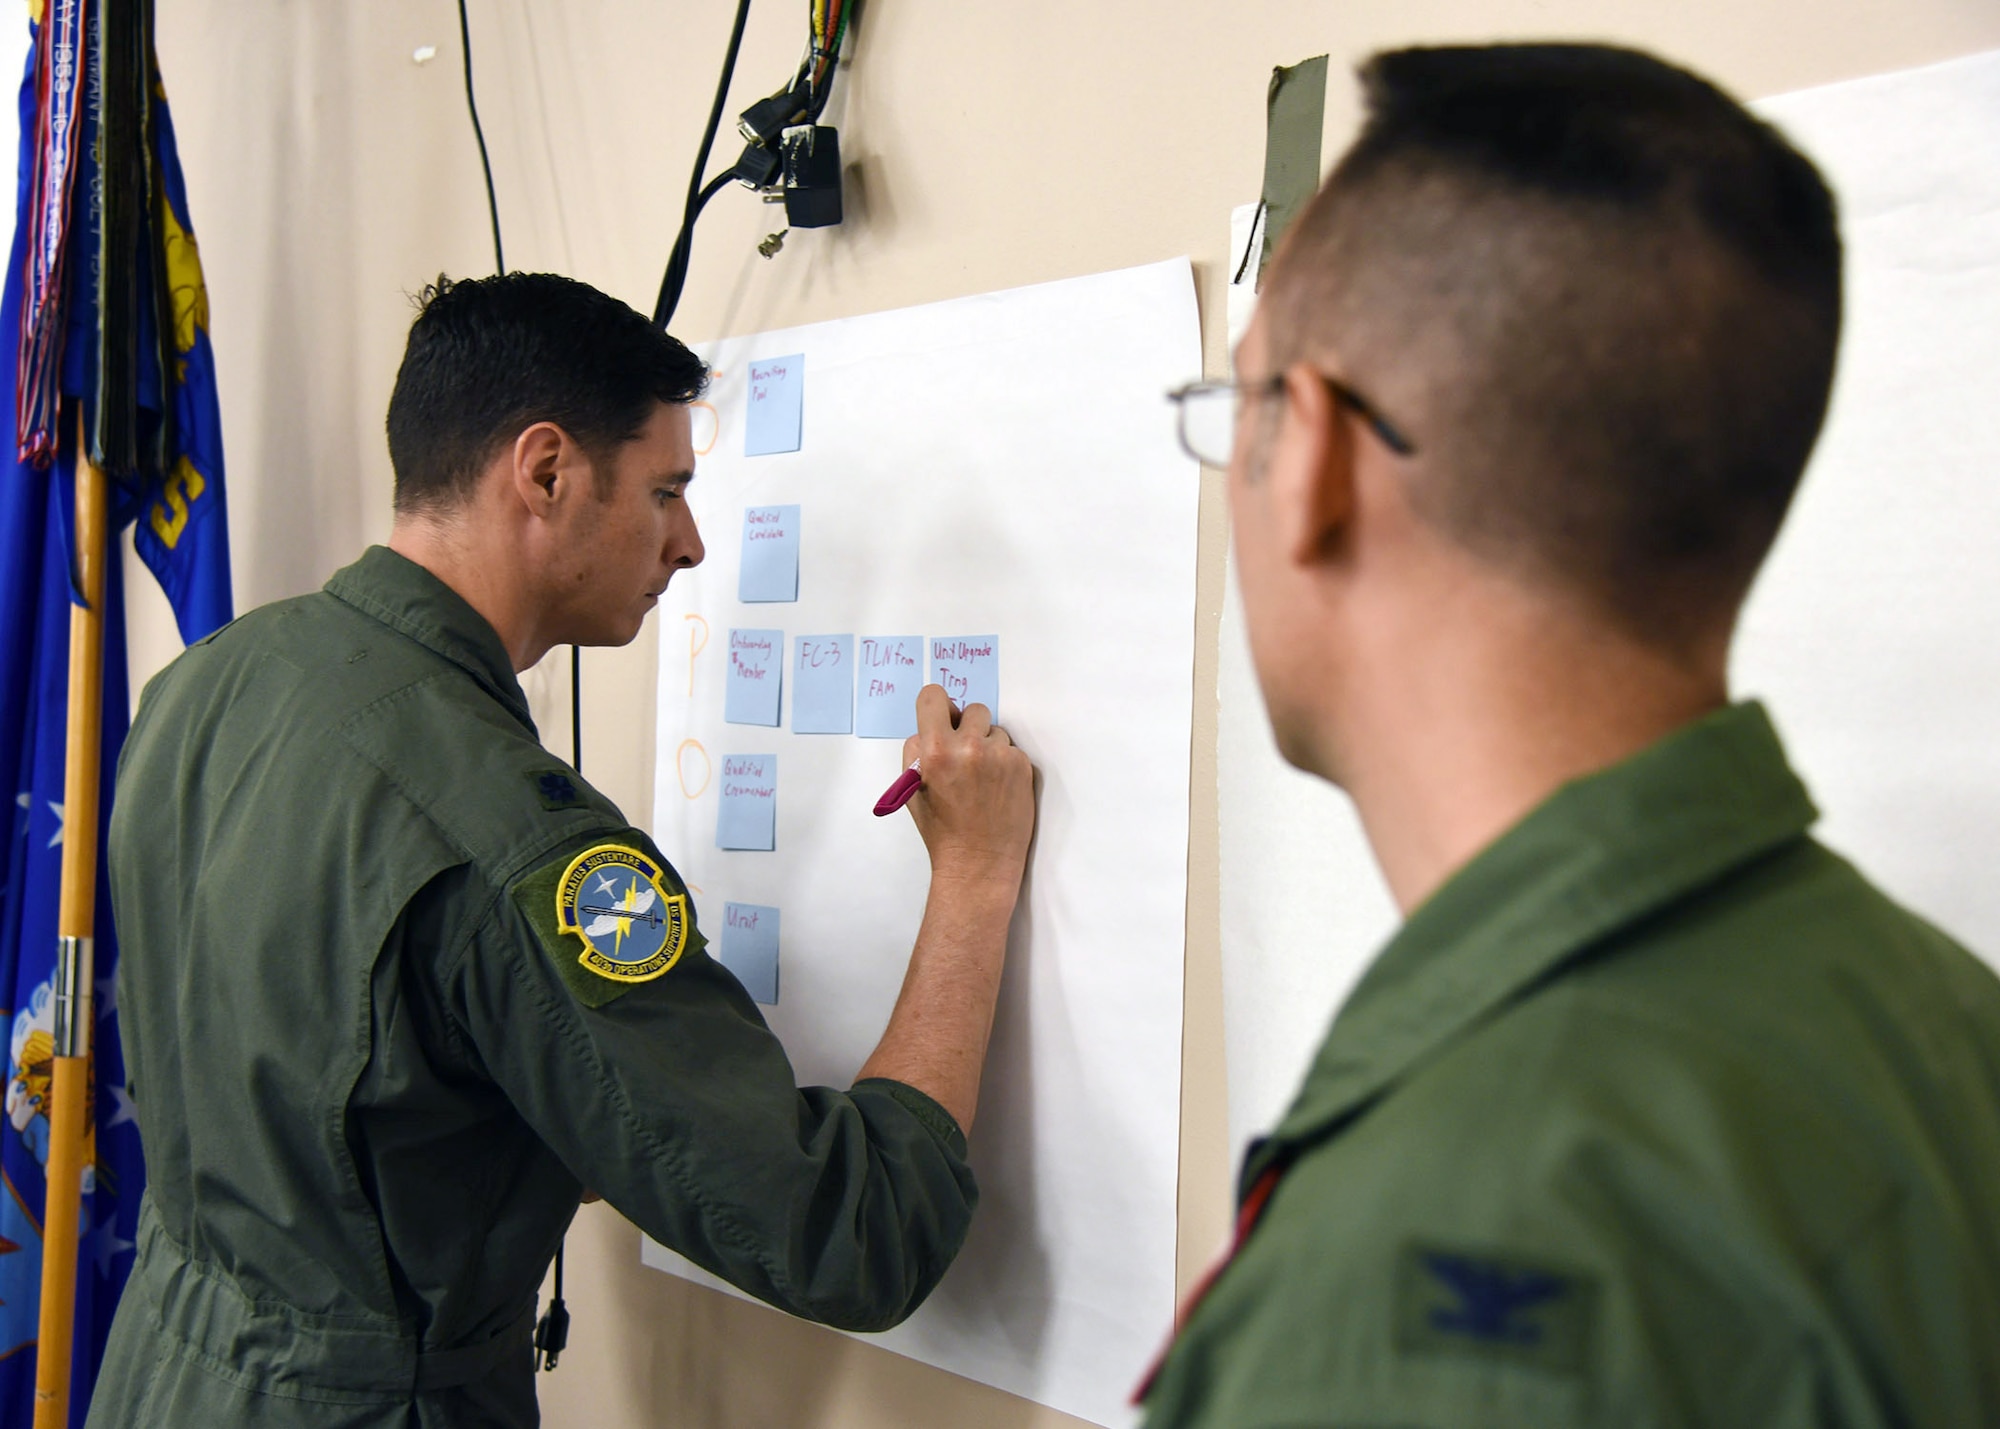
column 1874, row 634
column 998, row 473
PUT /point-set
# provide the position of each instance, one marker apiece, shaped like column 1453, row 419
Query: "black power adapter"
column 812, row 175
column 787, row 153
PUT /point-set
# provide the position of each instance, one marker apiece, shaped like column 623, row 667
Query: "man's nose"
column 685, row 550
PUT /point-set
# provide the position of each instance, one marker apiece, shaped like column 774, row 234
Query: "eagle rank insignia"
column 612, row 898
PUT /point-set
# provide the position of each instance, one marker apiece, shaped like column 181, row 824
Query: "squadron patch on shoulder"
column 614, row 898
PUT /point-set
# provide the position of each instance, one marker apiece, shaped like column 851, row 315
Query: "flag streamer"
column 106, row 296
column 58, row 68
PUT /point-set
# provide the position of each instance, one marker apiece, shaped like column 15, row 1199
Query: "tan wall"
column 990, row 146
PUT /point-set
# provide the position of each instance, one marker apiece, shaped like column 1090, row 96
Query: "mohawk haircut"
column 1602, row 298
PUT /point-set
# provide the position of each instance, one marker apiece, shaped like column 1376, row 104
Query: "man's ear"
column 543, row 459
column 1311, row 467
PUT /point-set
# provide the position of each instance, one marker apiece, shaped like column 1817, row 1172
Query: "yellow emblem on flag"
column 184, row 279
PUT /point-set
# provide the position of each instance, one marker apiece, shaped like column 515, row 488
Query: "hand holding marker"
column 912, row 779
column 977, row 813
column 902, row 791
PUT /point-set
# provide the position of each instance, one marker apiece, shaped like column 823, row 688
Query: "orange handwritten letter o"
column 681, row 767
column 703, row 433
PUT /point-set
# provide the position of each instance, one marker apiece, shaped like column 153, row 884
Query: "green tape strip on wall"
column 1295, row 111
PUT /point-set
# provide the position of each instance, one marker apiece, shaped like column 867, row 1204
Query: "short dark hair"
column 489, row 357
column 1601, row 298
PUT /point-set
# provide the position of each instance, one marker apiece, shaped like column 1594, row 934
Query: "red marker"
column 902, row 791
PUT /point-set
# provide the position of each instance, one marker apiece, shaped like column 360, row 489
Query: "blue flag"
column 183, row 524
column 182, row 535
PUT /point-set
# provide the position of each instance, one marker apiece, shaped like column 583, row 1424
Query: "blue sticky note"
column 750, row 949
column 756, row 673
column 777, row 404
column 823, row 684
column 770, row 568
column 888, row 672
column 748, row 818
column 968, row 666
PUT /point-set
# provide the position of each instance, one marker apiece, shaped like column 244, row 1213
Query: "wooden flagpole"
column 70, row 1111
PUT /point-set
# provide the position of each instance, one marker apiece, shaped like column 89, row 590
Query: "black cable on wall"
column 479, row 133
column 698, row 196
column 552, row 1330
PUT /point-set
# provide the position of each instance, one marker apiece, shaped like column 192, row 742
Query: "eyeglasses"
column 1209, row 412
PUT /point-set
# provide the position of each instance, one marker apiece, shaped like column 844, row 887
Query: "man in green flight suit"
column 1655, row 1112
column 397, row 984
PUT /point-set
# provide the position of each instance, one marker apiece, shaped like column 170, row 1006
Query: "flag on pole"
column 50, row 332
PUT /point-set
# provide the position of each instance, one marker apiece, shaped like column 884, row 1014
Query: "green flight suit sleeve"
column 675, row 1102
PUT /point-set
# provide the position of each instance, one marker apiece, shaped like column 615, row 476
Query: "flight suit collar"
column 1598, row 855
column 410, row 600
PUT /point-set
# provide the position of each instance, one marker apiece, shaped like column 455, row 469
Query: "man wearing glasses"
column 1655, row 1111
